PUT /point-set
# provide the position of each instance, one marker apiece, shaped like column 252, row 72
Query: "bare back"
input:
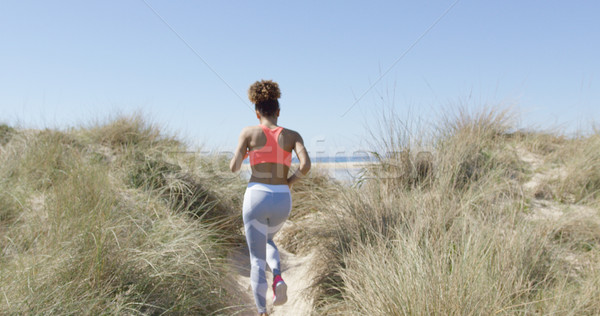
column 254, row 138
column 270, row 173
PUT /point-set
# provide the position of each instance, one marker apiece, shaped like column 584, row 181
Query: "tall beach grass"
column 111, row 219
column 453, row 232
column 464, row 216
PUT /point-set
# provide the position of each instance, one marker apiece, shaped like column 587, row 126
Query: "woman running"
column 267, row 201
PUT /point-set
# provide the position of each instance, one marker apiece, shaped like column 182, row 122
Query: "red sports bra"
column 270, row 152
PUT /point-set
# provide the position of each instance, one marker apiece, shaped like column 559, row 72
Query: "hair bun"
column 264, row 90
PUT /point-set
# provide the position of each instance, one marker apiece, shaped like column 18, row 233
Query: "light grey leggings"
column 266, row 208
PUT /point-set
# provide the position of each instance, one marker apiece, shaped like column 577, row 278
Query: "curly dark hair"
column 264, row 95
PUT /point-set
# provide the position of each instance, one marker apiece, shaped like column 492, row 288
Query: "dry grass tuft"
column 111, row 220
column 6, row 133
column 581, row 158
column 448, row 232
column 129, row 131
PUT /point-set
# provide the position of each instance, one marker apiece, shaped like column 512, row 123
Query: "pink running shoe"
column 279, row 291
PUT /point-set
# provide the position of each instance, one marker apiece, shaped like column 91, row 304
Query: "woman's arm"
column 304, row 161
column 240, row 152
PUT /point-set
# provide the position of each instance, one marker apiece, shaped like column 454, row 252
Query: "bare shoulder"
column 249, row 130
column 293, row 135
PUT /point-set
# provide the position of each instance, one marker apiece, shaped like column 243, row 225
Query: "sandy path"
column 295, row 272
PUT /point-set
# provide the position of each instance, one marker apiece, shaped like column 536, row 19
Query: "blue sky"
column 67, row 63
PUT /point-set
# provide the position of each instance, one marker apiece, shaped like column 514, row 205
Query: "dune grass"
column 111, row 219
column 581, row 158
column 118, row 218
column 452, row 232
